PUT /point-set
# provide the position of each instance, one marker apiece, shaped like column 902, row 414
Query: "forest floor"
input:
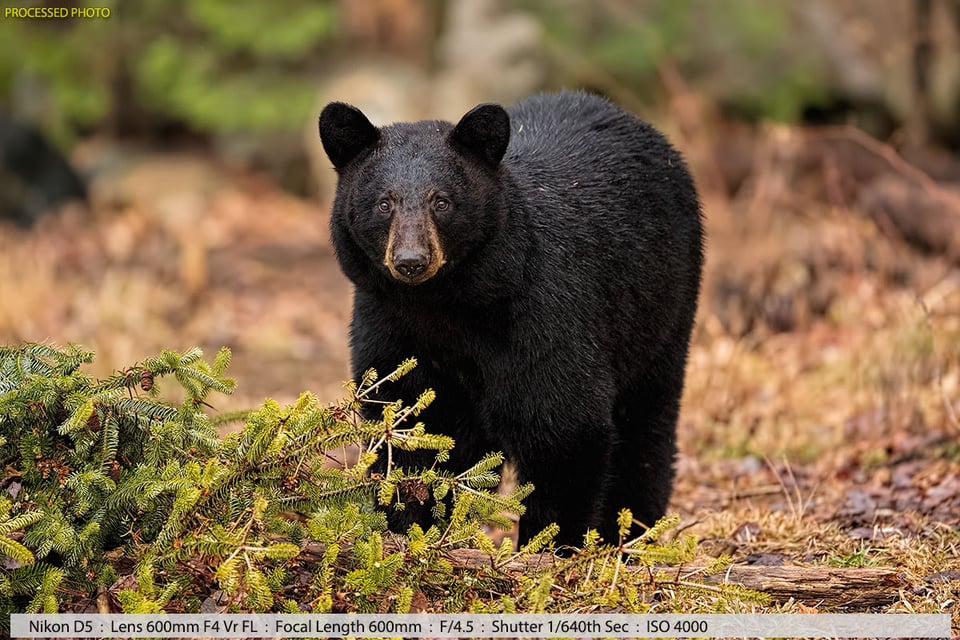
column 819, row 424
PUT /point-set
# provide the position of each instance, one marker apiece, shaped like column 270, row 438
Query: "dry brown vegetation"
column 820, row 418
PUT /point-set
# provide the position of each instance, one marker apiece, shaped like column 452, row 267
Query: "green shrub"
column 105, row 479
column 107, row 485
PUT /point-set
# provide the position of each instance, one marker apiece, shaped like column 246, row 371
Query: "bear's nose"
column 410, row 263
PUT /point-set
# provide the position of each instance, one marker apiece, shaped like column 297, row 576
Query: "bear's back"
column 578, row 130
column 586, row 170
column 552, row 117
column 576, row 148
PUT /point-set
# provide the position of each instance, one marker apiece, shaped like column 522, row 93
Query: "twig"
column 896, row 162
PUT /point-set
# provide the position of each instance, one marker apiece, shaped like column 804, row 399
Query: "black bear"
column 542, row 263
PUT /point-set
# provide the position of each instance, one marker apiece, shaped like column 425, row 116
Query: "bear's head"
column 413, row 199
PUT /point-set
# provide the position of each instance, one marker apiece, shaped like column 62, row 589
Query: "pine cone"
column 146, row 380
column 413, row 490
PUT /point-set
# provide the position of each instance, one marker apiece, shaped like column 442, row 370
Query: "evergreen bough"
column 115, row 495
column 104, row 479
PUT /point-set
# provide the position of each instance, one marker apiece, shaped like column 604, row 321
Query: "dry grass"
column 249, row 268
column 785, row 435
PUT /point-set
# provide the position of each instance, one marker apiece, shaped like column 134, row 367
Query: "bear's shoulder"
column 557, row 112
column 580, row 126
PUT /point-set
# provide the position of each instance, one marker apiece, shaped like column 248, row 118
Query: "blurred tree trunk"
column 933, row 48
column 918, row 124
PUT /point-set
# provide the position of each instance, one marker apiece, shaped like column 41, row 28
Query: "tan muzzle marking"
column 437, row 258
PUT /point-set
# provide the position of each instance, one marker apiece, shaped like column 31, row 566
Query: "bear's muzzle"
column 413, row 254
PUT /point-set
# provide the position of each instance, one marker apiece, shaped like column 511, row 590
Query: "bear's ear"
column 345, row 132
column 485, row 132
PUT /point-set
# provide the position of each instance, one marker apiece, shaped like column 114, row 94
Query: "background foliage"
column 216, row 65
column 742, row 42
column 222, row 66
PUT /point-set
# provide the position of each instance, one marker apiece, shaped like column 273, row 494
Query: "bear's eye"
column 384, row 206
column 441, row 204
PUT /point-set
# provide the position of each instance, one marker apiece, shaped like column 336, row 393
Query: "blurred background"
column 162, row 185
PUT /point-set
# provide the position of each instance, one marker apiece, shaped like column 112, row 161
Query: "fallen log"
column 828, row 586
column 816, row 586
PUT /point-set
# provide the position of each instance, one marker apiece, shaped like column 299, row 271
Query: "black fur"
column 346, row 133
column 484, row 131
column 557, row 330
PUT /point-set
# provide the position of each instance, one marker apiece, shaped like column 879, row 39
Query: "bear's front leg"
column 454, row 412
column 570, row 475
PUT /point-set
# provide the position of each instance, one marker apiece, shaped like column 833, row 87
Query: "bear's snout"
column 413, row 253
